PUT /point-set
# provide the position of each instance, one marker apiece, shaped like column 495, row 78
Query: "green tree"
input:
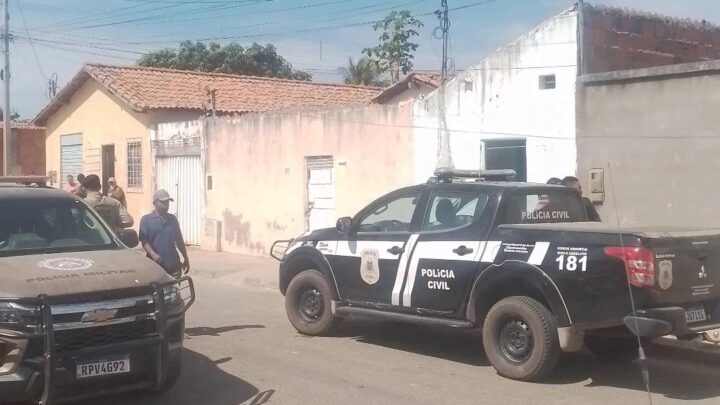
column 394, row 53
column 255, row 60
column 364, row 72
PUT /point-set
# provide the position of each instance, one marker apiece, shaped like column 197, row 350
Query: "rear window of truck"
column 541, row 208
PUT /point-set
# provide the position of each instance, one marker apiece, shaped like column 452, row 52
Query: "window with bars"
column 134, row 164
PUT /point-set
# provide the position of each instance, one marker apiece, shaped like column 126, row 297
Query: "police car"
column 472, row 250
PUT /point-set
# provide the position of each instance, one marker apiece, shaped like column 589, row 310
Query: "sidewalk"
column 232, row 268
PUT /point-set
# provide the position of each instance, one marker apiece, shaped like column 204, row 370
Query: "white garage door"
column 71, row 156
column 181, row 177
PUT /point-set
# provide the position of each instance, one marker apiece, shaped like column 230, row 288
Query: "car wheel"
column 308, row 304
column 520, row 338
column 174, row 367
column 611, row 348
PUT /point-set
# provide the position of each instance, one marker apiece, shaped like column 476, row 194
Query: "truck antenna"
column 645, row 370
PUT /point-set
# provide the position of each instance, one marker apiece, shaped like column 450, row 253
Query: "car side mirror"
column 128, row 237
column 344, row 225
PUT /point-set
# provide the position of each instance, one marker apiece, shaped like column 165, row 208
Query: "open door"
column 108, row 165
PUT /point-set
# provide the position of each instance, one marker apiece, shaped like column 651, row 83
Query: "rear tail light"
column 639, row 264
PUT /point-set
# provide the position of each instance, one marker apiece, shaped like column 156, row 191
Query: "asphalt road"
column 242, row 350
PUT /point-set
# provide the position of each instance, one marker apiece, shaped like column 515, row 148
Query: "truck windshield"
column 539, row 208
column 49, row 226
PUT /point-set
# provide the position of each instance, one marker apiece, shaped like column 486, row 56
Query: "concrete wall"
column 617, row 39
column 500, row 98
column 658, row 131
column 103, row 119
column 27, row 151
column 258, row 165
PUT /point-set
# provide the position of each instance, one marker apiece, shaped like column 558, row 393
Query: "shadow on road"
column 462, row 346
column 201, row 382
column 216, row 332
column 669, row 377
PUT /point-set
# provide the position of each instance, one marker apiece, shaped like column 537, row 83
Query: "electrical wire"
column 32, row 46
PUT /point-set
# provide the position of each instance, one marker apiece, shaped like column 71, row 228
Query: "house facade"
column 105, row 122
column 516, row 109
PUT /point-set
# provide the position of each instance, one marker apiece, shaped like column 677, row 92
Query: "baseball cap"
column 162, row 195
column 112, row 180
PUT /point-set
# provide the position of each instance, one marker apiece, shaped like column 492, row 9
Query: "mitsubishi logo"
column 702, row 273
column 99, row 315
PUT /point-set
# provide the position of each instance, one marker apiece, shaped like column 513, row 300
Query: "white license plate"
column 695, row 315
column 96, row 368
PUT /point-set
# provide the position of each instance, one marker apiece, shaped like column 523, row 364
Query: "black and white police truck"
column 519, row 260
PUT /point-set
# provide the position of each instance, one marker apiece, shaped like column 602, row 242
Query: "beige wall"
column 103, row 119
column 659, row 134
column 258, row 164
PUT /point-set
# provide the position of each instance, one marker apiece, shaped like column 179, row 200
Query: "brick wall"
column 617, row 39
column 29, row 151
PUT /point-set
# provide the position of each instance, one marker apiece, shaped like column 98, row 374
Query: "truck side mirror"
column 344, row 225
column 128, row 237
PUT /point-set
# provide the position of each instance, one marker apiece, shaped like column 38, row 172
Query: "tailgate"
column 687, row 267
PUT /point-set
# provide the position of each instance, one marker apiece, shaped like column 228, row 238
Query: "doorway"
column 506, row 154
column 108, row 165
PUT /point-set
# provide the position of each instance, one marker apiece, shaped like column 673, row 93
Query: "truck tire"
column 520, row 338
column 614, row 349
column 308, row 304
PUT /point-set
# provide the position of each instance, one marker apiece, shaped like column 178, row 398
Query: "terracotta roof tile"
column 429, row 79
column 151, row 88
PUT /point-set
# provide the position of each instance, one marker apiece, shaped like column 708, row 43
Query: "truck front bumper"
column 49, row 377
column 657, row 322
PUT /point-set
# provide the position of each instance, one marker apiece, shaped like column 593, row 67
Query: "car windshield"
column 50, row 226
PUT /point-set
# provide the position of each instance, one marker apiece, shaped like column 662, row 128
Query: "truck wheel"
column 611, row 348
column 520, row 338
column 308, row 304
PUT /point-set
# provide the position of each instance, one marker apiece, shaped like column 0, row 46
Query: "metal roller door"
column 71, row 156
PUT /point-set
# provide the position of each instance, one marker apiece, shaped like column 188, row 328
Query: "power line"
column 47, row 41
column 32, row 46
column 94, row 16
column 83, row 52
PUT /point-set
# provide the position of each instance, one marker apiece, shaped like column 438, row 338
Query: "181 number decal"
column 571, row 263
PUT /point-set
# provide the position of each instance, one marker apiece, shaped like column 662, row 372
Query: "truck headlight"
column 177, row 296
column 17, row 317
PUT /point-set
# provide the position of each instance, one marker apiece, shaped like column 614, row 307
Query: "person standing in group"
column 574, row 183
column 116, row 191
column 554, row 181
column 80, row 189
column 161, row 237
column 109, row 208
column 70, row 185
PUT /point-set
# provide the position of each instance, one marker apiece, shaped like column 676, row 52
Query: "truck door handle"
column 395, row 250
column 462, row 250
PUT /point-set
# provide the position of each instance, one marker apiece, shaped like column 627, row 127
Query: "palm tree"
column 364, row 72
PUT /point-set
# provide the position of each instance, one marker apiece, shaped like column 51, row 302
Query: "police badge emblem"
column 369, row 266
column 666, row 277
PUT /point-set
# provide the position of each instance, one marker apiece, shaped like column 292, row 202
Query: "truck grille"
column 76, row 339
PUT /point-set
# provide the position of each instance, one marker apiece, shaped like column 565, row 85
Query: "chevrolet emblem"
column 99, row 315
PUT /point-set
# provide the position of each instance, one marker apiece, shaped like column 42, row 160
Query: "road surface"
column 242, row 350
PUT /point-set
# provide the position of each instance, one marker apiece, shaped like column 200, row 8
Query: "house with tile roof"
column 102, row 122
column 415, row 85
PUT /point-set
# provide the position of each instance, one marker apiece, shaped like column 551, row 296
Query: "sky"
column 53, row 38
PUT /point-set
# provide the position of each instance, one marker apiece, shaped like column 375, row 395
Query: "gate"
column 320, row 192
column 181, row 177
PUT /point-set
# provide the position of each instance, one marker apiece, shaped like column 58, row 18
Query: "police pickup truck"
column 81, row 314
column 518, row 260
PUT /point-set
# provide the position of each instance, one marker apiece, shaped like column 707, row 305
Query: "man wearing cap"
column 116, row 191
column 161, row 237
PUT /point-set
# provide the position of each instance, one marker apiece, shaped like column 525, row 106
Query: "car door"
column 448, row 251
column 366, row 264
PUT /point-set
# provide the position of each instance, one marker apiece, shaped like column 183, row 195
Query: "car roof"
column 501, row 185
column 13, row 192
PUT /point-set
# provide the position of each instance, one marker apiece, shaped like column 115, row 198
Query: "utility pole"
column 444, row 155
column 7, row 127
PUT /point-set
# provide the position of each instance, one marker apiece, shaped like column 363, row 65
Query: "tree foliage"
column 394, row 53
column 364, row 72
column 255, row 60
